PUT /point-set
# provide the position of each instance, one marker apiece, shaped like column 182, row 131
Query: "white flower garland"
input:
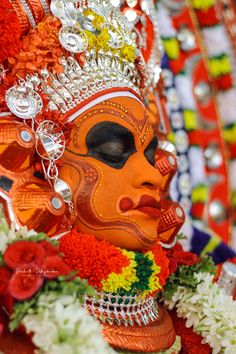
column 210, row 311
column 60, row 325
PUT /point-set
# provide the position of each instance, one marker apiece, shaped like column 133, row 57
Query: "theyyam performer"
column 90, row 261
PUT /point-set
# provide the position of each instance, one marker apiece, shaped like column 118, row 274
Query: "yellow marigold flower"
column 171, row 46
column 190, row 119
column 127, row 52
column 202, row 4
column 199, row 194
column 123, row 280
column 153, row 281
column 102, row 39
column 91, row 38
column 219, row 66
column 97, row 20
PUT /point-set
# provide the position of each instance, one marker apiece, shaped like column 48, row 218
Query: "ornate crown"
column 99, row 54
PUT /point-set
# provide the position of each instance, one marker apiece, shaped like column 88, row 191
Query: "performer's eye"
column 113, row 151
column 110, row 143
column 150, row 151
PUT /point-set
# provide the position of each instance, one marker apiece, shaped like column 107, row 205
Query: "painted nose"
column 144, row 174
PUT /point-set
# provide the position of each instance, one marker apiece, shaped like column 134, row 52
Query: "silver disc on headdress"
column 73, row 39
column 116, row 39
column 23, row 101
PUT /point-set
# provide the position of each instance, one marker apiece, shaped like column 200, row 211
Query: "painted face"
column 109, row 164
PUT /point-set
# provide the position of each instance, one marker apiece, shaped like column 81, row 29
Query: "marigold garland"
column 112, row 269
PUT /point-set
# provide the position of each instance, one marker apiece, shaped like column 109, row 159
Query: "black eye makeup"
column 113, row 144
column 150, row 151
column 110, row 143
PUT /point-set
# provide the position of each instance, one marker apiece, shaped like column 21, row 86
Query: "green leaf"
column 184, row 276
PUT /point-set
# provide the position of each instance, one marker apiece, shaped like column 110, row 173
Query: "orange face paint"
column 119, row 204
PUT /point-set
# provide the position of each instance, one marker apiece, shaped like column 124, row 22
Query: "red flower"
column 172, row 265
column 54, row 266
column 49, row 248
column 186, row 258
column 24, row 254
column 4, row 280
column 24, row 286
column 191, row 342
column 176, row 247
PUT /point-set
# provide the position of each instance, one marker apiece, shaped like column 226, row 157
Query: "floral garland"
column 194, row 295
column 115, row 270
column 209, row 310
column 39, row 290
column 61, row 325
column 48, row 304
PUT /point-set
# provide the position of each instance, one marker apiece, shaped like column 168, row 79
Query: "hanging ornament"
column 50, row 143
column 23, row 101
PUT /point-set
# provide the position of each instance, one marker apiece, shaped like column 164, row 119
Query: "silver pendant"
column 23, row 101
column 50, row 143
column 63, row 189
column 73, row 39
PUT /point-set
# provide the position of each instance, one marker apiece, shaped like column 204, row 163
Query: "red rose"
column 176, row 247
column 54, row 266
column 24, row 254
column 172, row 265
column 24, row 286
column 186, row 258
column 49, row 248
column 4, row 280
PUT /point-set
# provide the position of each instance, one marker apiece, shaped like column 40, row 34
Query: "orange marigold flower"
column 94, row 259
column 41, row 49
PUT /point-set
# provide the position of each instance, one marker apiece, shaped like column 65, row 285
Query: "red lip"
column 150, row 206
column 147, row 205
